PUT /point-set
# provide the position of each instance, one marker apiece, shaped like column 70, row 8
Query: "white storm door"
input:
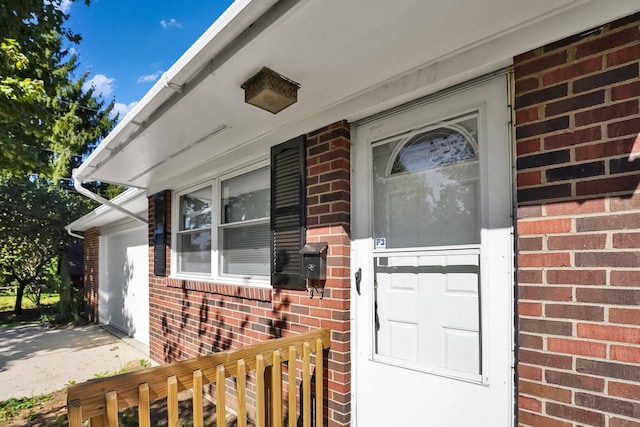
column 432, row 239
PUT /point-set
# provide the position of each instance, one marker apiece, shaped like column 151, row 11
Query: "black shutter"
column 159, row 234
column 288, row 213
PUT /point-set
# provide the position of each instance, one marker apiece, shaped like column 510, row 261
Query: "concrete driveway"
column 35, row 360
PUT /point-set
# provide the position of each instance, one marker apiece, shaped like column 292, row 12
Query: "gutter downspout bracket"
column 170, row 85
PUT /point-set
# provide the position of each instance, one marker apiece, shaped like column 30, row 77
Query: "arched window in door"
column 440, row 146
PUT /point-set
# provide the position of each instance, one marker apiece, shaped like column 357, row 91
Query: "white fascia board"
column 240, row 15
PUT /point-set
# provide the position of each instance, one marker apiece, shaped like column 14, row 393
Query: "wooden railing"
column 100, row 400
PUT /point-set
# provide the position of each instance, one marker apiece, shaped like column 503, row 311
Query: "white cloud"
column 103, row 85
column 71, row 51
column 150, row 77
column 170, row 23
column 65, row 6
column 122, row 109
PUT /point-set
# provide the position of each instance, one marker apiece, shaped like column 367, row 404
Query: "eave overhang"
column 351, row 60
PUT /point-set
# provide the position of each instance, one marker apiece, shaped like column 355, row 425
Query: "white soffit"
column 351, row 60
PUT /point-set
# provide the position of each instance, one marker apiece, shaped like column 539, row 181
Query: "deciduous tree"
column 32, row 219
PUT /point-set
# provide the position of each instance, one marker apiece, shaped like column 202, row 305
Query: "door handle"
column 358, row 277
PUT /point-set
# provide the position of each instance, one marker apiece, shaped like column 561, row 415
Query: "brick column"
column 158, row 345
column 578, row 118
column 328, row 220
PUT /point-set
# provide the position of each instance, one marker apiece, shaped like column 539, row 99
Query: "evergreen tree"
column 47, row 122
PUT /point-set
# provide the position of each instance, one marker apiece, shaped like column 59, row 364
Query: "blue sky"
column 128, row 44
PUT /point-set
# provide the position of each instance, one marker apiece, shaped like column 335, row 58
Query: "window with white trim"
column 224, row 231
column 194, row 231
column 244, row 224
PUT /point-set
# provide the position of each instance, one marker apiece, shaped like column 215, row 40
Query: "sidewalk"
column 35, row 360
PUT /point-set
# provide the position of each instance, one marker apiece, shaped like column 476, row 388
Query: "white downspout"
column 74, row 234
column 77, row 184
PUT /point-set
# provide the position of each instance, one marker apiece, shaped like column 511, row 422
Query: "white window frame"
column 176, row 232
column 216, row 274
column 237, row 224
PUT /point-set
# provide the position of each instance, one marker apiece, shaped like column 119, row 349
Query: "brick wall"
column 578, row 163
column 91, row 249
column 328, row 220
column 191, row 318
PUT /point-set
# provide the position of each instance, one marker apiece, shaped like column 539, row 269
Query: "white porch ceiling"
column 352, row 58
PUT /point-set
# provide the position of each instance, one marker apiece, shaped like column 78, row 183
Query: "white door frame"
column 503, row 266
column 104, row 307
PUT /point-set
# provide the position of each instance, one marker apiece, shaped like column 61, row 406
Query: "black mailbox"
column 314, row 260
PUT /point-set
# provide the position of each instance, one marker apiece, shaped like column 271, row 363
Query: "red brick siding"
column 190, row 318
column 577, row 120
column 91, row 273
column 328, row 220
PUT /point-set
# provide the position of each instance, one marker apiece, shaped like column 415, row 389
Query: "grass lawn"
column 30, row 311
column 7, row 302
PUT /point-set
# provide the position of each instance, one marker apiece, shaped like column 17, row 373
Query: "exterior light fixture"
column 270, row 91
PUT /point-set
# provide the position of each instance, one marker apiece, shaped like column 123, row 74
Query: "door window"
column 427, row 247
column 426, row 185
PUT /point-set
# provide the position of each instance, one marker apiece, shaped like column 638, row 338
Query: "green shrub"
column 9, row 407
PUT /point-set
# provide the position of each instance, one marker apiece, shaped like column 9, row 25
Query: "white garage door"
column 124, row 282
